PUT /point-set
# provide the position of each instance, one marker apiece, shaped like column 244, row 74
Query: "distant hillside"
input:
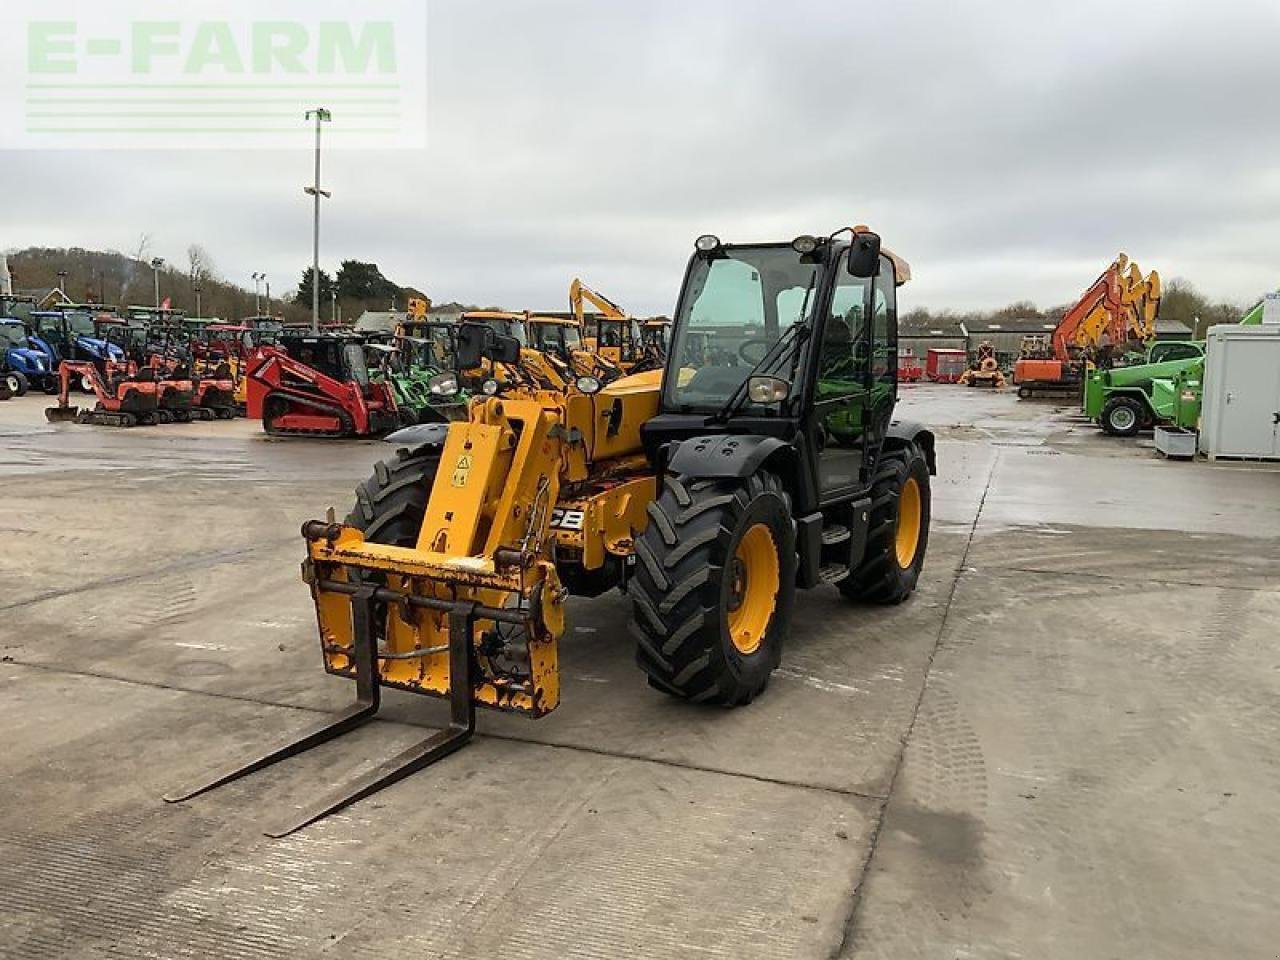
column 112, row 277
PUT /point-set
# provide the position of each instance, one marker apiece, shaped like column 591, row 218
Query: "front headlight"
column 588, row 385
column 490, row 387
column 443, row 385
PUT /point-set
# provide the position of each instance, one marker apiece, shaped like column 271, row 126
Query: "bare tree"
column 199, row 264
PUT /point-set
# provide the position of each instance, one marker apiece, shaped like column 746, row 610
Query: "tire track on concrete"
column 198, row 561
column 864, row 868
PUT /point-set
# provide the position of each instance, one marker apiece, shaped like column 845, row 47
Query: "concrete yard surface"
column 1063, row 746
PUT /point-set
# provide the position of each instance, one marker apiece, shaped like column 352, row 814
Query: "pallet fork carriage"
column 363, row 656
column 763, row 459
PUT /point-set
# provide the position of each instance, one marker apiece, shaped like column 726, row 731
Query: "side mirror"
column 505, row 349
column 864, row 255
column 470, row 345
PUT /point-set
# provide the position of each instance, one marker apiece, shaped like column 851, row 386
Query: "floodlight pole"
column 156, row 264
column 321, row 115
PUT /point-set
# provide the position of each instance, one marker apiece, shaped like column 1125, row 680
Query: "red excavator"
column 124, row 398
column 318, row 385
column 1117, row 313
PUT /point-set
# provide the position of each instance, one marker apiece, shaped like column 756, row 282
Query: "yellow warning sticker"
column 461, row 469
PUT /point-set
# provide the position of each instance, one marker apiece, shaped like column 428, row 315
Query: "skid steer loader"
column 764, row 458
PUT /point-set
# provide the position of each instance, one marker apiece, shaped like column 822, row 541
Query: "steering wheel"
column 755, row 342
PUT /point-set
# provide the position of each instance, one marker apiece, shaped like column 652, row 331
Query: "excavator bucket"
column 472, row 613
column 61, row 414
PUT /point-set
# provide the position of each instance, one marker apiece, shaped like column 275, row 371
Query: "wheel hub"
column 754, row 583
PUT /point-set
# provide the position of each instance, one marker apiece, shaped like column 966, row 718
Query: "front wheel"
column 17, row 383
column 1122, row 417
column 897, row 530
column 714, row 587
column 390, row 505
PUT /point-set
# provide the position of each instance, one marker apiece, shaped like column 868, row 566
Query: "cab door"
column 856, row 384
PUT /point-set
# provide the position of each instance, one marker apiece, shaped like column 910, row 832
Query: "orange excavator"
column 1117, row 313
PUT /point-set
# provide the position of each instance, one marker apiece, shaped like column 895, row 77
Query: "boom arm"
column 579, row 292
column 1121, row 304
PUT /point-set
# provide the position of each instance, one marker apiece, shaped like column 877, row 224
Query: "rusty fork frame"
column 462, row 713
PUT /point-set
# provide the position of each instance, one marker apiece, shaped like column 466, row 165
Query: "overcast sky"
column 1008, row 150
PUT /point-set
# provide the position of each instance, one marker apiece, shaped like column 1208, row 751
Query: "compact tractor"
column 765, row 458
column 318, row 385
column 420, row 369
column 72, row 332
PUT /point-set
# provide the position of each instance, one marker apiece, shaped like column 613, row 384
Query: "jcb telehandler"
column 764, row 458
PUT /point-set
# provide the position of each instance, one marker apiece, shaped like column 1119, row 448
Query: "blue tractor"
column 21, row 366
column 73, row 332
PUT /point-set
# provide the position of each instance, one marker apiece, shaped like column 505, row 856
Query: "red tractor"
column 124, row 398
column 318, row 385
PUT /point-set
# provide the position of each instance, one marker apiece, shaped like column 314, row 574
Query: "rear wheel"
column 714, row 587
column 897, row 531
column 1121, row 416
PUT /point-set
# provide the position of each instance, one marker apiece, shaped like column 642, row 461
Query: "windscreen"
column 735, row 306
column 80, row 322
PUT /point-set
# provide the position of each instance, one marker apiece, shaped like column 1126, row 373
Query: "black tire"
column 51, row 385
column 1024, row 392
column 5, row 392
column 882, row 576
column 683, row 590
column 1121, row 417
column 390, row 505
column 18, row 382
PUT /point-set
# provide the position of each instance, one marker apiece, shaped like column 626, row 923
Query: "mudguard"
column 722, row 456
column 419, row 435
column 902, row 432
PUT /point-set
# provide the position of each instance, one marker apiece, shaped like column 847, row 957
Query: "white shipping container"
column 1240, row 416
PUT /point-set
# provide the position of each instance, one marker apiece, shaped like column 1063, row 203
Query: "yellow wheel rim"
column 753, row 589
column 907, row 536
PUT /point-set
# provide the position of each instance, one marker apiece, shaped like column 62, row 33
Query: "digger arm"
column 579, row 293
column 1083, row 323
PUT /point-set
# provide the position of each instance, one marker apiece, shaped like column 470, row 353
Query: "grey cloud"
column 1008, row 150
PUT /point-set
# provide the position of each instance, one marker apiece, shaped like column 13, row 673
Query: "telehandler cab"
column 764, row 458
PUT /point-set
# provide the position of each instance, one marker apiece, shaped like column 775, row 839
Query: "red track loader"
column 318, row 385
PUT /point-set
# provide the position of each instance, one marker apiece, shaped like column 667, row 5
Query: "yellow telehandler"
column 764, row 458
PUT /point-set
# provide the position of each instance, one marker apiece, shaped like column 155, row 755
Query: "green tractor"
column 420, row 371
